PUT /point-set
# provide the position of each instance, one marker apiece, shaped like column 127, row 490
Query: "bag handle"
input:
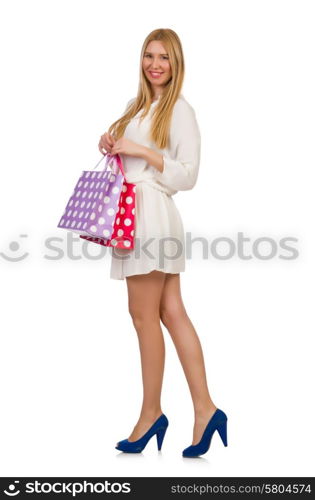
column 108, row 159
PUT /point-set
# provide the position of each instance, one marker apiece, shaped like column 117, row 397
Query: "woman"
column 158, row 140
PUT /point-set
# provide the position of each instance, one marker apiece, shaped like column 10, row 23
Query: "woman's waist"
column 150, row 181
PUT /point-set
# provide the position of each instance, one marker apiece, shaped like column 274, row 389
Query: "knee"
column 143, row 318
column 172, row 313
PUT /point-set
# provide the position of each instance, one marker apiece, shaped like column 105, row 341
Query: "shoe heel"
column 160, row 436
column 222, row 430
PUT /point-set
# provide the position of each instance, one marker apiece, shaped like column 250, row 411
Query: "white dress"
column 159, row 231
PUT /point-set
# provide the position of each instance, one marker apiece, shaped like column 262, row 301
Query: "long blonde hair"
column 161, row 118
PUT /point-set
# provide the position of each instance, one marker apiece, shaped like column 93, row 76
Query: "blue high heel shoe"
column 218, row 422
column 159, row 428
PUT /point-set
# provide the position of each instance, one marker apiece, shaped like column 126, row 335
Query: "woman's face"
column 156, row 65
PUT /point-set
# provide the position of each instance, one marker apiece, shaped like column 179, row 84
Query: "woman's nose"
column 155, row 65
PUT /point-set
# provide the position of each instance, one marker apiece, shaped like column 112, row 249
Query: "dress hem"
column 146, row 272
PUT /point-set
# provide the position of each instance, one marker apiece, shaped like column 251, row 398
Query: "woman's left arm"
column 125, row 146
column 178, row 168
column 152, row 157
column 180, row 163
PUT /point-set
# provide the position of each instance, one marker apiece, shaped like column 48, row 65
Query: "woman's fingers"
column 111, row 139
column 101, row 147
column 106, row 142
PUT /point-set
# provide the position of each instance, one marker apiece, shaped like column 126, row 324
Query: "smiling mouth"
column 155, row 74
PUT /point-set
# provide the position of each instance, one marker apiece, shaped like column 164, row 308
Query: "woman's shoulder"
column 183, row 108
column 131, row 101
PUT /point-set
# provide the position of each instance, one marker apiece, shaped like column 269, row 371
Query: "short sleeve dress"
column 159, row 230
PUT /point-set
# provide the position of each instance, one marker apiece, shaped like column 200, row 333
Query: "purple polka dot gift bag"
column 94, row 203
column 124, row 228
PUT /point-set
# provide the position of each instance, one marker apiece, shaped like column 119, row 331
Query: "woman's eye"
column 165, row 57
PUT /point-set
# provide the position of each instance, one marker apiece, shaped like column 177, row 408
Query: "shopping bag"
column 124, row 226
column 94, row 203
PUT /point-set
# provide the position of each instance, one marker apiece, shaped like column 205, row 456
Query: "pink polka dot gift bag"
column 102, row 205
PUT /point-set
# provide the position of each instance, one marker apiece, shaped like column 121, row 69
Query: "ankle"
column 150, row 414
column 203, row 409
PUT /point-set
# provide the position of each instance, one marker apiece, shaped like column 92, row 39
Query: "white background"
column 70, row 367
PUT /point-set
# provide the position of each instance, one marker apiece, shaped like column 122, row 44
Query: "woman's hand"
column 127, row 147
column 107, row 142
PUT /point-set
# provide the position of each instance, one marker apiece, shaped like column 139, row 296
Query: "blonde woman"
column 158, row 140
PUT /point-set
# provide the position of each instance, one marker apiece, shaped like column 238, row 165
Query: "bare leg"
column 189, row 350
column 144, row 296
